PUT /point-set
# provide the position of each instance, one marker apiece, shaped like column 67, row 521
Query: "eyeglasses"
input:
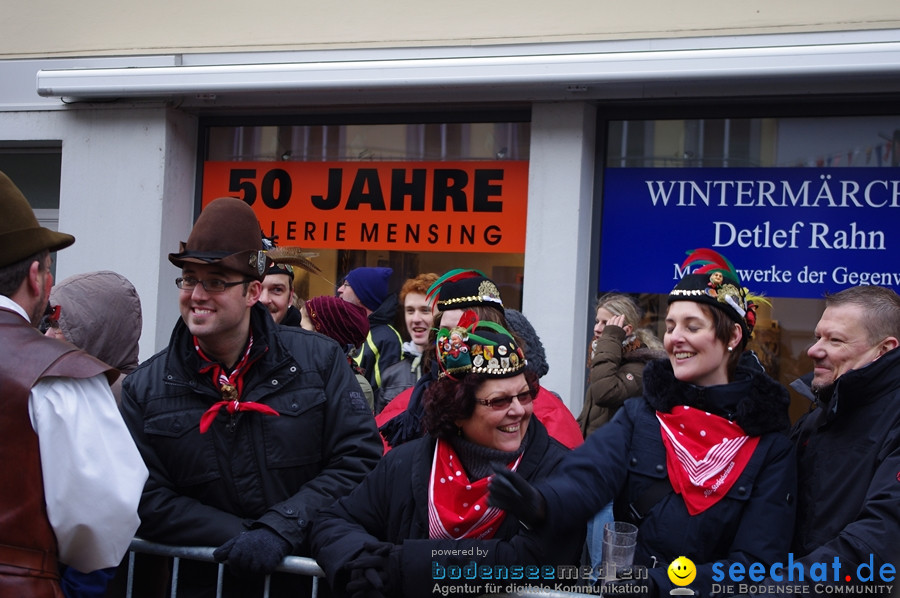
column 210, row 285
column 499, row 403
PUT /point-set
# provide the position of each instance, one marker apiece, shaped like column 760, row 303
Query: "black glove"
column 512, row 493
column 257, row 552
column 375, row 572
column 633, row 581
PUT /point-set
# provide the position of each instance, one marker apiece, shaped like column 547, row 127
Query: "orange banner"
column 402, row 206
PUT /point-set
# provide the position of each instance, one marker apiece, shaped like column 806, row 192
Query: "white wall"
column 126, row 193
column 559, row 260
column 56, row 28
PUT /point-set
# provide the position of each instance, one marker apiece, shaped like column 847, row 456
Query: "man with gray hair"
column 848, row 448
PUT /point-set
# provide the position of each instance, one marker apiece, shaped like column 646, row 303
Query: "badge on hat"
column 481, row 348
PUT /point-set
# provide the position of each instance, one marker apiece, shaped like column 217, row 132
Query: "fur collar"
column 754, row 401
column 643, row 354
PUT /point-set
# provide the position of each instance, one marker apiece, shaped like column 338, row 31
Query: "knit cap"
column 343, row 321
column 370, row 285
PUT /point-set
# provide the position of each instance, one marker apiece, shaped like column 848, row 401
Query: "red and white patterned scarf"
column 230, row 385
column 705, row 455
column 457, row 507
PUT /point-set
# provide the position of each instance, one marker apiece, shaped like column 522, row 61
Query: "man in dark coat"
column 848, row 448
column 368, row 288
column 248, row 428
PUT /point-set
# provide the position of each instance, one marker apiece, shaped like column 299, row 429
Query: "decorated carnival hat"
column 459, row 289
column 474, row 347
column 715, row 282
column 20, row 233
column 226, row 233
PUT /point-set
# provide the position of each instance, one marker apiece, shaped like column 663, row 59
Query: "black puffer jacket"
column 251, row 469
column 391, row 505
column 625, row 458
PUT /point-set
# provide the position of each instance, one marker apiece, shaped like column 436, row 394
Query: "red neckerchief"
column 230, row 385
column 457, row 507
column 705, row 455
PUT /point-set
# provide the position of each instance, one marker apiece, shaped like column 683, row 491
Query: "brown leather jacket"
column 27, row 543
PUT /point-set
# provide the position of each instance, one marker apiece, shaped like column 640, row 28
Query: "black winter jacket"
column 623, row 459
column 848, row 453
column 251, row 469
column 382, row 347
column 391, row 505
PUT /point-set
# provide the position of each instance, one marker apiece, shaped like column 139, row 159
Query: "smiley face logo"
column 682, row 571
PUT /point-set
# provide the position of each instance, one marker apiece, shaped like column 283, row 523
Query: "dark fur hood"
column 754, row 401
column 644, row 355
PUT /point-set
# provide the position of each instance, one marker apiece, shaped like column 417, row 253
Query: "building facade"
column 564, row 149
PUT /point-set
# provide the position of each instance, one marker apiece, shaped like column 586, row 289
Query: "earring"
column 730, row 349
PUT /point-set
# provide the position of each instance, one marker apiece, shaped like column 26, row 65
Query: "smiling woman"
column 424, row 509
column 700, row 462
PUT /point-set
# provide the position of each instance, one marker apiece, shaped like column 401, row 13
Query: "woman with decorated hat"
column 453, row 294
column 424, row 508
column 700, row 463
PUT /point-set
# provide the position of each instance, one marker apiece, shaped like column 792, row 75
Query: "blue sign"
column 790, row 232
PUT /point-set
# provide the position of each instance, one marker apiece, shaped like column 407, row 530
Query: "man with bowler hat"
column 71, row 477
column 247, row 427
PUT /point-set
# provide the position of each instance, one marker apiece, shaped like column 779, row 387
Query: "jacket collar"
column 865, row 385
column 182, row 359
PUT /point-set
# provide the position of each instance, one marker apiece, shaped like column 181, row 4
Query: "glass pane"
column 407, row 142
column 420, row 142
column 36, row 172
column 784, row 331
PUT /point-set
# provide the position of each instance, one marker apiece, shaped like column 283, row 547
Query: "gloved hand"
column 256, row 552
column 512, row 493
column 633, row 581
column 375, row 572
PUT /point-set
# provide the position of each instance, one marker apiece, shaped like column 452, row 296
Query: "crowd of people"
column 271, row 426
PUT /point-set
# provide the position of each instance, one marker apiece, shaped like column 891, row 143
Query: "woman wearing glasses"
column 421, row 516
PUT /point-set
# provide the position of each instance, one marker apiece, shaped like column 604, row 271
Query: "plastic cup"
column 619, row 543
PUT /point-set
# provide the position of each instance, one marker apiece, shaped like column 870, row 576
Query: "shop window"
column 481, row 206
column 35, row 169
column 814, row 200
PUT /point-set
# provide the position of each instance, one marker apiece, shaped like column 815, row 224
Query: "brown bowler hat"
column 226, row 233
column 20, row 233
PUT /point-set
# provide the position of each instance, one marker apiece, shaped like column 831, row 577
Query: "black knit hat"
column 716, row 283
column 459, row 289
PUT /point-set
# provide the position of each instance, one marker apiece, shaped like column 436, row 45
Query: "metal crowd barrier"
column 296, row 565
